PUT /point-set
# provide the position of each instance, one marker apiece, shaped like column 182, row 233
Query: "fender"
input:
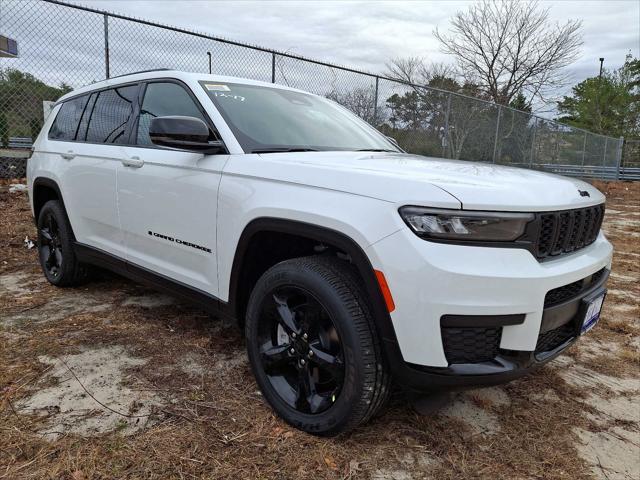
column 381, row 317
column 49, row 183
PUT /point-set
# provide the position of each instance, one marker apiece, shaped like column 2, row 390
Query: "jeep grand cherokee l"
column 349, row 263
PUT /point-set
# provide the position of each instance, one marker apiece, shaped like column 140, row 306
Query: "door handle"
column 69, row 155
column 134, row 162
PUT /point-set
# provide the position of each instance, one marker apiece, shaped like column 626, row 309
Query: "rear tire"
column 55, row 247
column 313, row 347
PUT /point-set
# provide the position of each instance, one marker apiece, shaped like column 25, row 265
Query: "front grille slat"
column 561, row 233
column 567, row 231
column 595, row 225
column 586, row 226
column 577, row 225
column 566, row 248
column 546, row 237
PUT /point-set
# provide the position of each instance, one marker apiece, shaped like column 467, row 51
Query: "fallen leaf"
column 78, row 475
column 331, row 463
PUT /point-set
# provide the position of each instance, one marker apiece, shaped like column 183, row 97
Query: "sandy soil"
column 113, row 380
column 90, row 395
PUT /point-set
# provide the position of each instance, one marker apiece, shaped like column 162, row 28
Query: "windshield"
column 265, row 119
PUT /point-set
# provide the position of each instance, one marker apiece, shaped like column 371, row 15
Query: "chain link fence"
column 631, row 159
column 64, row 46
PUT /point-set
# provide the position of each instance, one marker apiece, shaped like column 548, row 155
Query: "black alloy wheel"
column 50, row 246
column 313, row 346
column 56, row 247
column 300, row 350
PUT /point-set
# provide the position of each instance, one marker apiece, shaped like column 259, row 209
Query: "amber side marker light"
column 386, row 293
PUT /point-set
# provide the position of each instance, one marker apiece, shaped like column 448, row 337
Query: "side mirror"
column 185, row 133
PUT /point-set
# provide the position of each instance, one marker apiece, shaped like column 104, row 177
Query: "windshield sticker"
column 216, row 87
column 240, row 98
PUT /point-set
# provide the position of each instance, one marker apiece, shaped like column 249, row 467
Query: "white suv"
column 350, row 263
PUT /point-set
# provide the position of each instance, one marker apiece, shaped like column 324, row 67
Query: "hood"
column 409, row 180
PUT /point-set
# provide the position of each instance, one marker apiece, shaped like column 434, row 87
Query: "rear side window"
column 161, row 100
column 110, row 114
column 84, row 122
column 66, row 123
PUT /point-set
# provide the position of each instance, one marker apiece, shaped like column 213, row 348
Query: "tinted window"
column 84, row 122
column 110, row 115
column 267, row 119
column 66, row 123
column 161, row 100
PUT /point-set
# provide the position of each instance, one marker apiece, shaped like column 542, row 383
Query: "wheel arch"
column 317, row 235
column 43, row 190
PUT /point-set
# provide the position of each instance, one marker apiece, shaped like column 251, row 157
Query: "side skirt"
column 102, row 259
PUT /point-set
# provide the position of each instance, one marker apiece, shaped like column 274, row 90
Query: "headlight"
column 461, row 225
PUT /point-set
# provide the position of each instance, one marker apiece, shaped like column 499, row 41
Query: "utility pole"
column 107, row 70
column 598, row 97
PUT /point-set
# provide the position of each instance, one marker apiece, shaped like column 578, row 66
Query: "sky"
column 365, row 35
column 63, row 45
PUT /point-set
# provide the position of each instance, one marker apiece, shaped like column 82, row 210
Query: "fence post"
column 445, row 137
column 604, row 153
column 533, row 141
column 273, row 67
column 106, row 46
column 495, row 141
column 584, row 147
column 619, row 157
column 375, row 103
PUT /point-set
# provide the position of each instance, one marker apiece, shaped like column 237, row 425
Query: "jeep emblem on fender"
column 584, row 193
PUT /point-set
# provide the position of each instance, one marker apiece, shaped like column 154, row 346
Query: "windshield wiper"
column 283, row 149
column 376, row 150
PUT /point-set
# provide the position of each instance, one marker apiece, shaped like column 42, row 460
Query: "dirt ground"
column 113, row 380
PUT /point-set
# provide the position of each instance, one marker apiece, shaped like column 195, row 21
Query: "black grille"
column 595, row 278
column 552, row 339
column 567, row 231
column 560, row 294
column 470, row 344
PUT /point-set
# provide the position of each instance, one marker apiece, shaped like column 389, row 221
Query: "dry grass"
column 630, row 355
column 212, row 422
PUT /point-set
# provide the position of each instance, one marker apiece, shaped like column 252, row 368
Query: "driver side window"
column 164, row 99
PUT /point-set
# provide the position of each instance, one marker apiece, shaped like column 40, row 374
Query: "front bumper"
column 430, row 281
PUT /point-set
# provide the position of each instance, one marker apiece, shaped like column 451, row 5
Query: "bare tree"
column 510, row 47
column 415, row 71
column 361, row 101
column 439, row 99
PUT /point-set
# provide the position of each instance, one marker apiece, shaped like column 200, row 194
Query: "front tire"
column 312, row 346
column 55, row 247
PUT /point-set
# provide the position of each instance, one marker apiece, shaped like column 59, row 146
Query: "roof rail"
column 141, row 71
column 111, row 78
